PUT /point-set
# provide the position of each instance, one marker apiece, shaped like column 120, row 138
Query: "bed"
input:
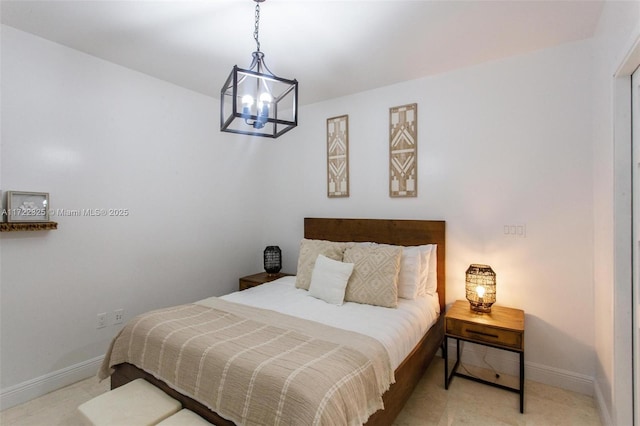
column 407, row 371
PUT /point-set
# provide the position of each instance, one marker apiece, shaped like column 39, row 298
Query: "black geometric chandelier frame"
column 256, row 102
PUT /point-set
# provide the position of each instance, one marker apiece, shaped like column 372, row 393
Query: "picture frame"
column 403, row 151
column 25, row 206
column 338, row 156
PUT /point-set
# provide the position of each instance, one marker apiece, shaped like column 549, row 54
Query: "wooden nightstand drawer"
column 482, row 333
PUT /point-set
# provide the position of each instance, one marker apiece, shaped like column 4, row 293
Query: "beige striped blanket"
column 258, row 367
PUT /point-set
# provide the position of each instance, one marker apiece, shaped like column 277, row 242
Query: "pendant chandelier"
column 256, row 102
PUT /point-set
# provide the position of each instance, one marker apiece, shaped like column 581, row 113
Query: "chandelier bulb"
column 265, row 97
column 247, row 100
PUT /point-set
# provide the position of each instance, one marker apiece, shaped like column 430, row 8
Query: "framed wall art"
column 403, row 151
column 338, row 156
column 27, row 206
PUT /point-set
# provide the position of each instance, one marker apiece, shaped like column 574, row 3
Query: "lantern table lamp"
column 480, row 287
column 272, row 260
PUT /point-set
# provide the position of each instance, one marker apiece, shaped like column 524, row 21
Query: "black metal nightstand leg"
column 449, row 376
column 522, row 382
column 445, row 355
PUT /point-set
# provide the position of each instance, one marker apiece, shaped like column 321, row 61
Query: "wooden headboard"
column 385, row 231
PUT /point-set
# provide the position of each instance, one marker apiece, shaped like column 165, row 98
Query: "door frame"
column 625, row 385
column 635, row 236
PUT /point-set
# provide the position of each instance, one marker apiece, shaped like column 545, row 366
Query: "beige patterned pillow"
column 374, row 280
column 309, row 252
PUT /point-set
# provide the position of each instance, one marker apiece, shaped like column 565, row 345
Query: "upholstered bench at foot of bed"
column 184, row 417
column 138, row 403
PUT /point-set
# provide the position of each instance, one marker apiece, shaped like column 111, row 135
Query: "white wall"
column 508, row 142
column 96, row 135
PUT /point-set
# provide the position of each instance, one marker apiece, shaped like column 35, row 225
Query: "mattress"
column 398, row 329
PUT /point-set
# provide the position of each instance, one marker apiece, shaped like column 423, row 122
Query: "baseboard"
column 605, row 415
column 42, row 385
column 508, row 363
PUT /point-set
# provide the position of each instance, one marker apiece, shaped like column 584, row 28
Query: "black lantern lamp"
column 254, row 101
column 480, row 288
column 272, row 259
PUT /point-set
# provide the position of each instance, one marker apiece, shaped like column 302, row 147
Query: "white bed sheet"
column 399, row 329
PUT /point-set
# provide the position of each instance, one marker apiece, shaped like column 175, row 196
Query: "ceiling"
column 333, row 48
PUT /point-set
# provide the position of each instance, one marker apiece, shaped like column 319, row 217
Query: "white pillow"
column 329, row 280
column 410, row 269
column 429, row 270
column 432, row 275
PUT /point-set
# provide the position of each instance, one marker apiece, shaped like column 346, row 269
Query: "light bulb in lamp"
column 480, row 286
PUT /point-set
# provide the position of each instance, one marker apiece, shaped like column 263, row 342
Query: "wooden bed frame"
column 398, row 232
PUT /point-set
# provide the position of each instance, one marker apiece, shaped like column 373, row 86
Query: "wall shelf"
column 32, row 226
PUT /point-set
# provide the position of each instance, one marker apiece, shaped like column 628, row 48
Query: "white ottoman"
column 184, row 417
column 138, row 403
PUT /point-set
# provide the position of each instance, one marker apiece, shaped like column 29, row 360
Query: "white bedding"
column 399, row 329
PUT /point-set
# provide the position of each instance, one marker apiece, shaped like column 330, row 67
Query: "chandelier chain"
column 257, row 26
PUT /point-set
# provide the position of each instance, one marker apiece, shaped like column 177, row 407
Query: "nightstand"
column 502, row 328
column 257, row 279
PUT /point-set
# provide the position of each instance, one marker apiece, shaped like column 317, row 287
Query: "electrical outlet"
column 118, row 316
column 519, row 230
column 101, row 320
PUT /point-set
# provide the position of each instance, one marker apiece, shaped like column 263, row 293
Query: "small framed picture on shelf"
column 27, row 206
